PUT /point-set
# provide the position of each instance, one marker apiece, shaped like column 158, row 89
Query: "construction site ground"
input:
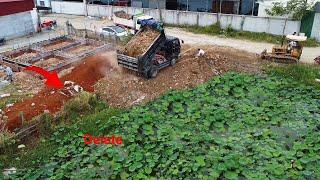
column 122, row 88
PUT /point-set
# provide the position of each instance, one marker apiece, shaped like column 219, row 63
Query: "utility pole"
column 220, row 6
column 85, row 7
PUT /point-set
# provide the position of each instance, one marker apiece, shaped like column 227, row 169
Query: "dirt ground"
column 57, row 44
column 24, row 56
column 27, row 82
column 79, row 49
column 49, row 63
column 121, row 88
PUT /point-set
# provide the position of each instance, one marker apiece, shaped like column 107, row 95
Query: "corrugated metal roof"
column 4, row 1
column 8, row 7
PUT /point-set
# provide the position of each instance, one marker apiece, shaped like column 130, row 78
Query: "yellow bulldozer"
column 288, row 53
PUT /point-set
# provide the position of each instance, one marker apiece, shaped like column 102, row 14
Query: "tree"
column 296, row 8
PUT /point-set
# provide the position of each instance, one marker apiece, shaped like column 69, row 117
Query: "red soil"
column 86, row 74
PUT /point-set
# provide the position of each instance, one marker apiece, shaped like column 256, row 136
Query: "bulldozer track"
column 281, row 59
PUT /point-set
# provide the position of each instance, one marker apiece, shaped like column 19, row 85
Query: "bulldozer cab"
column 294, row 46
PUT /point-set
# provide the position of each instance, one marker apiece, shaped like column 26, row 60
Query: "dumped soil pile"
column 126, row 89
column 86, row 74
column 140, row 43
column 122, row 14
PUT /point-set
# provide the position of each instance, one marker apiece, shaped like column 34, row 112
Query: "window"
column 42, row 3
column 119, row 29
column 108, row 30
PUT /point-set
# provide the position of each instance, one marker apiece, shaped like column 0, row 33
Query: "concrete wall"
column 19, row 24
column 238, row 22
column 316, row 27
column 68, row 7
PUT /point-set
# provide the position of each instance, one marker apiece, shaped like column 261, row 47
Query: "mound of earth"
column 126, row 89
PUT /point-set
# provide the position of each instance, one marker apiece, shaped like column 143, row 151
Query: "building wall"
column 136, row 3
column 316, row 27
column 19, row 24
column 10, row 7
column 161, row 4
column 144, row 3
column 46, row 3
column 246, row 6
column 75, row 8
column 196, row 5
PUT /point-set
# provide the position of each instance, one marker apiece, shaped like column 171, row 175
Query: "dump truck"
column 160, row 52
column 124, row 20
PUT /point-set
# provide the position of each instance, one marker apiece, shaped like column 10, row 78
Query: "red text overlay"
column 114, row 140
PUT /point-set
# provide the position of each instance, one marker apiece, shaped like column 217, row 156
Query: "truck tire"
column 173, row 62
column 153, row 72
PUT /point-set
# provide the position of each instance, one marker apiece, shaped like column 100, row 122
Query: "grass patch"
column 302, row 73
column 15, row 95
column 82, row 111
column 215, row 30
column 32, row 156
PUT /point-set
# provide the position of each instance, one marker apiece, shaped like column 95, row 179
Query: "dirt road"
column 254, row 47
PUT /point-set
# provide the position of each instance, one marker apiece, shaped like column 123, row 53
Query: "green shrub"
column 83, row 103
column 235, row 126
column 302, row 73
column 46, row 125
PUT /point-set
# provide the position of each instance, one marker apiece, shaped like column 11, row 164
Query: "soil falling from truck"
column 140, row 43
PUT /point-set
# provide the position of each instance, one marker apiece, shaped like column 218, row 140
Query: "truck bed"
column 123, row 22
column 136, row 60
column 141, row 42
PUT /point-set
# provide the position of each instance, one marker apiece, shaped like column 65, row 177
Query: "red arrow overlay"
column 52, row 78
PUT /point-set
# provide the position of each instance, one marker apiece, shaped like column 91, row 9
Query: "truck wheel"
column 153, row 72
column 173, row 62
